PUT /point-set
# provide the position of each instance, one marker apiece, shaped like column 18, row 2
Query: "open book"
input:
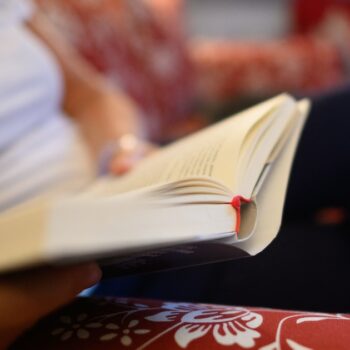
column 217, row 194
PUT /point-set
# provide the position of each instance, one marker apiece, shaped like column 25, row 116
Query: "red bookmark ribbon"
column 237, row 204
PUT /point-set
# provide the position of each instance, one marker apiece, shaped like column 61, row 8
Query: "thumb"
column 124, row 160
column 28, row 296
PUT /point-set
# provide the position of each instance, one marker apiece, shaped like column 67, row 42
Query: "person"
column 61, row 126
column 57, row 116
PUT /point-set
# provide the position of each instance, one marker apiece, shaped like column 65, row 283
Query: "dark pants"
column 308, row 265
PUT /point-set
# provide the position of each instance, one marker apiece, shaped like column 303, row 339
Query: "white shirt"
column 40, row 149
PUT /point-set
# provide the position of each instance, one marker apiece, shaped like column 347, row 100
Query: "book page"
column 212, row 153
column 270, row 197
column 132, row 222
column 263, row 147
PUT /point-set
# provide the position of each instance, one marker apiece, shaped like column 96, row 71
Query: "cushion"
column 118, row 323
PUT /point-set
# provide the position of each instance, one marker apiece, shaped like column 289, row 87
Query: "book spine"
column 237, row 204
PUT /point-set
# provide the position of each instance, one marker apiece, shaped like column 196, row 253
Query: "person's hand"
column 121, row 155
column 101, row 111
column 28, row 296
column 113, row 130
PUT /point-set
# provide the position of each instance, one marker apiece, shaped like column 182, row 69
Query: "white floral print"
column 74, row 327
column 228, row 326
column 126, row 334
column 299, row 319
column 81, row 328
column 143, row 325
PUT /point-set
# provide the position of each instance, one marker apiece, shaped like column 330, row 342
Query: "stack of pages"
column 215, row 195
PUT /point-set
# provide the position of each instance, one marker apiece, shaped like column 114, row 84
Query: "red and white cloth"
column 141, row 46
column 118, row 323
column 262, row 69
column 141, row 50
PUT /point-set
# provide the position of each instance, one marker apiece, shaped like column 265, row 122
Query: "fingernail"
column 122, row 166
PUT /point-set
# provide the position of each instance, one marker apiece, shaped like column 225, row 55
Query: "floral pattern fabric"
column 140, row 45
column 118, row 323
column 139, row 49
column 265, row 68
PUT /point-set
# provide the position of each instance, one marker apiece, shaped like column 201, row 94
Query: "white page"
column 213, row 153
column 271, row 197
column 132, row 221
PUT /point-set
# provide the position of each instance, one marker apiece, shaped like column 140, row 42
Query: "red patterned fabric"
column 144, row 324
column 260, row 69
column 309, row 15
column 325, row 19
column 140, row 49
column 140, row 45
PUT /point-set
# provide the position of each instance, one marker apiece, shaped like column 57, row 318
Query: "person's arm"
column 28, row 296
column 103, row 112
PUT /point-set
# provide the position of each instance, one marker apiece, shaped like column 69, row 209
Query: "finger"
column 124, row 161
column 26, row 297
